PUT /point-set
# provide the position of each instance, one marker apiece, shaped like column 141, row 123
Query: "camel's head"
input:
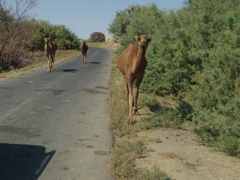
column 143, row 40
column 46, row 40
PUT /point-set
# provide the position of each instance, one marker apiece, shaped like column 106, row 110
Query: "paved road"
column 56, row 126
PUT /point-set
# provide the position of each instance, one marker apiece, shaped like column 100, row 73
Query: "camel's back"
column 84, row 47
column 54, row 46
column 126, row 57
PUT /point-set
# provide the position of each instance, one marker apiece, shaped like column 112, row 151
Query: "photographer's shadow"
column 21, row 162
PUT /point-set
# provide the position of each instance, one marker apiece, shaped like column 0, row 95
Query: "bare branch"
column 14, row 37
column 23, row 7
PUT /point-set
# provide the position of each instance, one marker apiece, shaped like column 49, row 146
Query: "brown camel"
column 132, row 63
column 84, row 49
column 50, row 50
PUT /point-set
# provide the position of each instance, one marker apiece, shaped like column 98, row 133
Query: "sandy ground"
column 178, row 154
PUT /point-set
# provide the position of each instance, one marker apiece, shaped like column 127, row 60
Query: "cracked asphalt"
column 57, row 125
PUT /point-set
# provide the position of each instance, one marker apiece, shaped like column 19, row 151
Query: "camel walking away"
column 84, row 49
column 132, row 63
column 50, row 50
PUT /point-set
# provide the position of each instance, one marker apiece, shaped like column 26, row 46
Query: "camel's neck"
column 49, row 44
column 140, row 59
column 141, row 53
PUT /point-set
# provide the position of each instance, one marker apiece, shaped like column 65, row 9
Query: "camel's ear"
column 137, row 38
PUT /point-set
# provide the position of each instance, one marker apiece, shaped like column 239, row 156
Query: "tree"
column 97, row 37
column 14, row 37
column 119, row 25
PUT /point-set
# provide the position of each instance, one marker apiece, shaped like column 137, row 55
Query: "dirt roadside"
column 178, row 154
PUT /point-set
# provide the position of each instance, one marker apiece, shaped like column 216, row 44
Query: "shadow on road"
column 21, row 162
column 69, row 70
column 95, row 62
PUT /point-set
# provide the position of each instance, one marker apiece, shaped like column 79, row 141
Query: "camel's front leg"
column 130, row 99
column 84, row 58
column 49, row 69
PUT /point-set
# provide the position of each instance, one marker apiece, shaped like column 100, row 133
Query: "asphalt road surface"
column 56, row 126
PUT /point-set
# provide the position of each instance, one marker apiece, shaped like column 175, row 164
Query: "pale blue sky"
column 84, row 17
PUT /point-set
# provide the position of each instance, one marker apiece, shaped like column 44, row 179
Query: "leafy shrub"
column 229, row 144
column 63, row 36
column 194, row 55
column 97, row 37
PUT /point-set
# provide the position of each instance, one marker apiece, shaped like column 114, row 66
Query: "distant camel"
column 50, row 50
column 84, row 49
column 132, row 63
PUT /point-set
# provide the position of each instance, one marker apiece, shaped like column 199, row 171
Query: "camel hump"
column 132, row 42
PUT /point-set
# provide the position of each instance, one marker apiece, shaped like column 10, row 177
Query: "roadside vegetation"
column 191, row 82
column 22, row 37
column 194, row 59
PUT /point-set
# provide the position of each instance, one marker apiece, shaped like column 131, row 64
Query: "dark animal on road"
column 50, row 48
column 84, row 49
column 132, row 63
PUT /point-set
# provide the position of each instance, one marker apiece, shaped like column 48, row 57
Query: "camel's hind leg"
column 130, row 101
column 83, row 57
column 138, row 82
column 52, row 63
column 86, row 57
column 127, row 93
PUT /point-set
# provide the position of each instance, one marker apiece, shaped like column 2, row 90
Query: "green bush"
column 63, row 36
column 194, row 55
column 229, row 144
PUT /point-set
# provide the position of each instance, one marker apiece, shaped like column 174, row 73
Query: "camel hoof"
column 130, row 120
column 136, row 112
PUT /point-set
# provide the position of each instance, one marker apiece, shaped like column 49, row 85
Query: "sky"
column 85, row 17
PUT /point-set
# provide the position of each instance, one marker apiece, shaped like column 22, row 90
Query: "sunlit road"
column 57, row 125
